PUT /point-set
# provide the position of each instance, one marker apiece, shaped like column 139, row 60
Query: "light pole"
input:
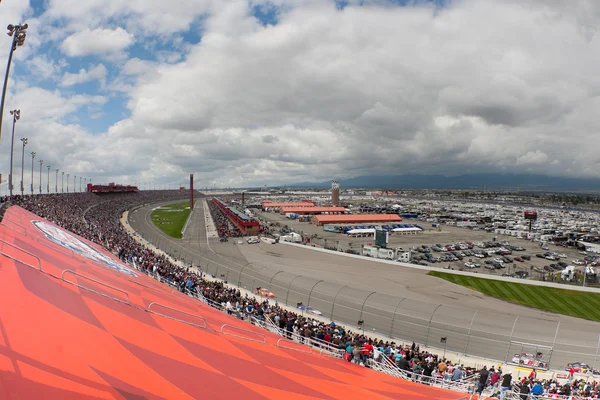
column 48, row 183
column 80, row 184
column 56, row 182
column 62, row 182
column 33, row 153
column 67, row 183
column 16, row 116
column 85, row 183
column 74, row 183
column 18, row 33
column 41, row 163
column 24, row 140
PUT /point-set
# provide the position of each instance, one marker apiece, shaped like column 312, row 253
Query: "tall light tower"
column 41, row 163
column 18, row 33
column 85, row 183
column 74, row 183
column 62, row 182
column 80, row 184
column 48, row 182
column 24, row 140
column 33, row 153
column 56, row 182
column 67, row 183
column 16, row 116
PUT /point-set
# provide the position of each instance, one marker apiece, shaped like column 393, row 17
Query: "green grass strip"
column 171, row 218
column 561, row 301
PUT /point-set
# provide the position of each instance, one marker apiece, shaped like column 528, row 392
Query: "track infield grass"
column 171, row 218
column 562, row 301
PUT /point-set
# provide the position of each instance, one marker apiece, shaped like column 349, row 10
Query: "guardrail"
column 62, row 277
column 203, row 326
column 39, row 268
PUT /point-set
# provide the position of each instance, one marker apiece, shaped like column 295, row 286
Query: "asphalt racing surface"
column 395, row 301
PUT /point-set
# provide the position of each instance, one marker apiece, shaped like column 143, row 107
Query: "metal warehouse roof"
column 312, row 209
column 356, row 218
column 289, row 204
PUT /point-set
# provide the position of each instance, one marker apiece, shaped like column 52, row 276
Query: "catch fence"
column 468, row 332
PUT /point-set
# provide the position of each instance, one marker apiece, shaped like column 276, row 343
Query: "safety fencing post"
column 240, row 276
column 469, row 334
column 271, row 281
column 596, row 356
column 511, row 336
column 254, row 280
column 334, row 299
column 394, row 316
column 289, row 288
column 429, row 325
column 363, row 306
column 310, row 294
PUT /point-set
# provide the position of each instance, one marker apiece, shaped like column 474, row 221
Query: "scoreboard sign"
column 531, row 215
column 381, row 238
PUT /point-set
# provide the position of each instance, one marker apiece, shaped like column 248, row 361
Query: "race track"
column 395, row 301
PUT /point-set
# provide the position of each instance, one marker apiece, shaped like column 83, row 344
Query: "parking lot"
column 445, row 235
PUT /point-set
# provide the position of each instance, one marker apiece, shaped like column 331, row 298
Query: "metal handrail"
column 47, row 244
column 323, row 345
column 264, row 337
column 20, row 226
column 278, row 344
column 62, row 277
column 19, row 261
column 24, row 251
column 177, row 319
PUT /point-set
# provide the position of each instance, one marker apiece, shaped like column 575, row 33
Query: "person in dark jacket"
column 403, row 364
column 483, row 377
column 505, row 385
column 525, row 390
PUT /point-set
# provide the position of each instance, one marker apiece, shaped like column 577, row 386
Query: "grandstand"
column 243, row 222
column 78, row 323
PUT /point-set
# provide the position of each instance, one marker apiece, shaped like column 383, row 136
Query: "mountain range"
column 523, row 182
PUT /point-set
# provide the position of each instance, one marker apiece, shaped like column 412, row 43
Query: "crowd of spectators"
column 96, row 218
column 225, row 227
column 532, row 388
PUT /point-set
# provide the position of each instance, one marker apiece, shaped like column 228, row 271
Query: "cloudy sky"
column 253, row 92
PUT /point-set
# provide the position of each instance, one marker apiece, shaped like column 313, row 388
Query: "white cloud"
column 533, row 158
column 43, row 68
column 478, row 86
column 97, row 42
column 97, row 73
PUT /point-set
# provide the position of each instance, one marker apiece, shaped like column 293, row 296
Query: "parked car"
column 526, row 257
column 519, row 259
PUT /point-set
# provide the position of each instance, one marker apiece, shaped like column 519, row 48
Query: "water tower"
column 335, row 193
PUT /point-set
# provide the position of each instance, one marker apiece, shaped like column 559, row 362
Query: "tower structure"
column 335, row 193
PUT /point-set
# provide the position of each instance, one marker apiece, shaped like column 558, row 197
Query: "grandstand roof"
column 76, row 323
column 312, row 210
column 355, row 218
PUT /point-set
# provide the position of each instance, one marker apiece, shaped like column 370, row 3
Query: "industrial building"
column 269, row 204
column 312, row 210
column 355, row 219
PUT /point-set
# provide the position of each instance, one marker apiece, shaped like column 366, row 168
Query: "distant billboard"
column 531, row 215
column 381, row 238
